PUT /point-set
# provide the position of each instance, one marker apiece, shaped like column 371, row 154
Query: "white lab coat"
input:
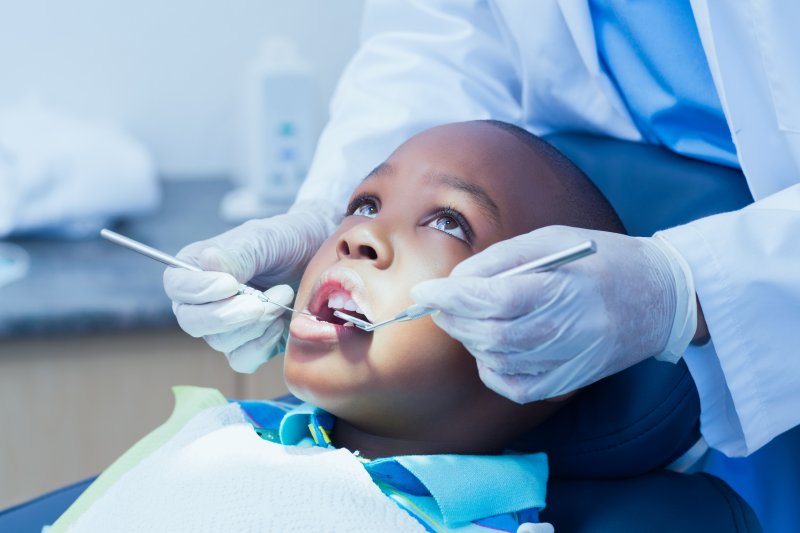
column 426, row 62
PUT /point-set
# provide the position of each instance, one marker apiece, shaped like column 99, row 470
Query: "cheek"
column 438, row 253
column 403, row 361
column 418, row 348
column 421, row 357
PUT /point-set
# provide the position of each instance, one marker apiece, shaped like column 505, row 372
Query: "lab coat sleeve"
column 746, row 267
column 420, row 63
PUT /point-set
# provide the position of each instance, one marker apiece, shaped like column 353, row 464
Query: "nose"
column 366, row 242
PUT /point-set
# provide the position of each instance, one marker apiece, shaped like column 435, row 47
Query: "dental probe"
column 169, row 260
column 547, row 262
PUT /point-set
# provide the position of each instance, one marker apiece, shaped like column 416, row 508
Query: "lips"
column 337, row 289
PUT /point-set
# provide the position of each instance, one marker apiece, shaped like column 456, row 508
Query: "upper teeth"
column 342, row 300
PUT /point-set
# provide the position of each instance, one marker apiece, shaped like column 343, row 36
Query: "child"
column 446, row 194
column 407, row 398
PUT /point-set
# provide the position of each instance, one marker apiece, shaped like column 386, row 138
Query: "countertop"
column 92, row 285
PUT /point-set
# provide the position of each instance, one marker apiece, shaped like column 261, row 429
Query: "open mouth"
column 333, row 297
column 337, row 289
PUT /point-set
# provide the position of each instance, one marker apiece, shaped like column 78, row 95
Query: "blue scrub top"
column 652, row 52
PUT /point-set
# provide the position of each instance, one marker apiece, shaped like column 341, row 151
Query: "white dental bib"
column 216, row 474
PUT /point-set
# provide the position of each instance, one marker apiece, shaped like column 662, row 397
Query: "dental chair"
column 608, row 450
column 610, row 447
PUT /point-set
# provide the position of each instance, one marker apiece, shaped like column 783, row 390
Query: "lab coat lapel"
column 579, row 21
column 751, row 50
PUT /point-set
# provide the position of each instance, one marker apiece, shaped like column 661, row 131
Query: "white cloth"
column 427, row 62
column 68, row 175
column 216, row 474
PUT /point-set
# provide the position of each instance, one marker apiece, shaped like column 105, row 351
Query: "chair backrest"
column 647, row 416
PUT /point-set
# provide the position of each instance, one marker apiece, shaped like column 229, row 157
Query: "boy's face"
column 443, row 196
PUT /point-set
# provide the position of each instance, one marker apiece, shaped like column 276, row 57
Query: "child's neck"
column 478, row 429
column 374, row 446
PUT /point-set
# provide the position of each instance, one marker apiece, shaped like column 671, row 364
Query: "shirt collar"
column 470, row 487
column 466, row 488
column 306, row 421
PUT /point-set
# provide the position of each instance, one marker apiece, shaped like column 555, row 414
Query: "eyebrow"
column 479, row 196
column 384, row 169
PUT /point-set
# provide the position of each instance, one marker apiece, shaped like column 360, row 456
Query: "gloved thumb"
column 482, row 298
column 282, row 294
column 518, row 250
column 188, row 287
column 437, row 293
column 247, row 358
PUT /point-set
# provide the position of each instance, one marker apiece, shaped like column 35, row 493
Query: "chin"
column 341, row 400
column 313, row 383
column 295, row 375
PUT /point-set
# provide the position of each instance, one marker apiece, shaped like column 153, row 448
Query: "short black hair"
column 586, row 207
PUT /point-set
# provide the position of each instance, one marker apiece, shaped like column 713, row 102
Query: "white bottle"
column 280, row 132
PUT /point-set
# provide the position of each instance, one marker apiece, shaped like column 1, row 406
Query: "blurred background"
column 172, row 73
column 168, row 122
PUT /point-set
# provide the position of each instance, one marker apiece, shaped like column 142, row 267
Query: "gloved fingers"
column 481, row 298
column 572, row 352
column 190, row 252
column 216, row 259
column 515, row 363
column 268, row 249
column 282, row 294
column 519, row 388
column 501, row 336
column 534, row 385
column 248, row 357
column 222, row 316
column 189, row 287
column 231, row 252
column 518, row 250
column 210, row 256
column 230, row 340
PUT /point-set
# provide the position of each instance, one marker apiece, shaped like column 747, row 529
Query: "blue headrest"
column 647, row 416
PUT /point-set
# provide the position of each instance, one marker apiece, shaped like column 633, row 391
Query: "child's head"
column 444, row 195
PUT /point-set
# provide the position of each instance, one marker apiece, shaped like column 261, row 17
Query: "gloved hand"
column 263, row 252
column 539, row 335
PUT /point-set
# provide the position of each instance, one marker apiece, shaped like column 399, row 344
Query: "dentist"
column 712, row 80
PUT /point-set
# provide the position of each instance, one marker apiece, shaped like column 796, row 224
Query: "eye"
column 453, row 223
column 363, row 206
column 367, row 209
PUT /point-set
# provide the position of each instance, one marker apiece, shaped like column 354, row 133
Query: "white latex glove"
column 263, row 252
column 540, row 335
